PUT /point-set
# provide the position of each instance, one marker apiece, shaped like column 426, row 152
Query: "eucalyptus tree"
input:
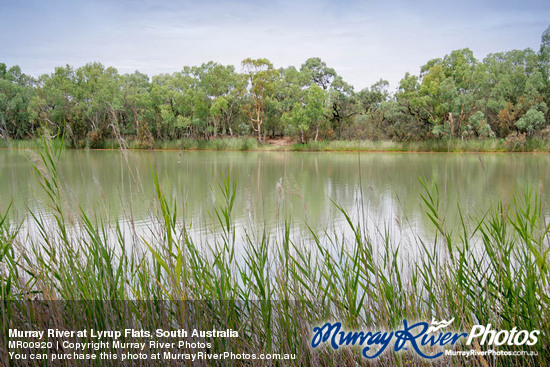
column 52, row 107
column 136, row 99
column 307, row 113
column 534, row 119
column 261, row 78
column 16, row 90
column 460, row 70
column 513, row 84
column 445, row 95
column 223, row 89
column 99, row 103
column 409, row 115
column 290, row 87
column 137, row 114
column 477, row 126
column 198, row 95
column 370, row 99
column 341, row 101
column 296, row 121
column 544, row 55
column 412, row 104
column 289, row 92
column 430, row 96
column 372, row 105
column 172, row 98
column 318, row 72
column 197, row 100
column 316, row 108
column 80, row 103
column 447, row 91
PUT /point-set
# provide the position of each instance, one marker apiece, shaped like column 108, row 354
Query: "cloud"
column 363, row 40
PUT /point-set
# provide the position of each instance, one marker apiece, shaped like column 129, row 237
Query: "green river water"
column 381, row 188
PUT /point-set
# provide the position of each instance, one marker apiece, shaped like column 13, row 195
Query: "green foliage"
column 317, row 72
column 544, row 55
column 370, row 99
column 533, row 119
column 478, row 126
column 297, row 121
column 16, row 92
column 261, row 77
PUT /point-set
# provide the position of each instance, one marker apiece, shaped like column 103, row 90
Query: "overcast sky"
column 362, row 40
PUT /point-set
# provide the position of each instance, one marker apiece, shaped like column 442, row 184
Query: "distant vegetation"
column 505, row 96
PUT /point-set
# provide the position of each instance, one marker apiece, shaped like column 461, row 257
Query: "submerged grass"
column 274, row 288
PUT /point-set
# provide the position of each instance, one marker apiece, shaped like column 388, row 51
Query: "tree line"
column 505, row 95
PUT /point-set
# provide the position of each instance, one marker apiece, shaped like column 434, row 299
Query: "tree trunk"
column 317, row 133
column 215, row 127
column 259, row 119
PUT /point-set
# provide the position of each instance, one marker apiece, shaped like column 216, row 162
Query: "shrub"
column 145, row 138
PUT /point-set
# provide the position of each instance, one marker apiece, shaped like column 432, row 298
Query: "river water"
column 381, row 190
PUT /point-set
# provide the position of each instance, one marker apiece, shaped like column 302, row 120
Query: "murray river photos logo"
column 418, row 337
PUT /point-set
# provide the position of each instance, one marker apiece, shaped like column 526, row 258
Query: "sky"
column 364, row 41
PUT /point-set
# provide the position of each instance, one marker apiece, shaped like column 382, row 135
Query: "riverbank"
column 287, row 144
